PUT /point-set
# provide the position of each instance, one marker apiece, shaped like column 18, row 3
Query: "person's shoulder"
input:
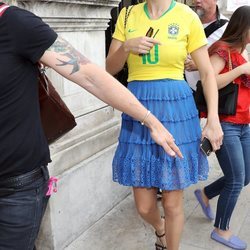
column 137, row 7
column 132, row 9
column 223, row 17
column 17, row 16
column 220, row 48
column 185, row 10
column 17, row 12
column 223, row 25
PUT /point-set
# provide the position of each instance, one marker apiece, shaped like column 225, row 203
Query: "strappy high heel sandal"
column 161, row 245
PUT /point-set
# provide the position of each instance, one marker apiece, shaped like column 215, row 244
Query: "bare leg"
column 204, row 197
column 172, row 202
column 146, row 204
column 224, row 233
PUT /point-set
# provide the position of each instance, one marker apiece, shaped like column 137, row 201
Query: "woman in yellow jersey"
column 156, row 64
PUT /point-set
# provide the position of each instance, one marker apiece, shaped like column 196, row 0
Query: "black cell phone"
column 206, row 146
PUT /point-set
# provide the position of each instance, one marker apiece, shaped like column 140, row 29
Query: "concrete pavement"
column 123, row 229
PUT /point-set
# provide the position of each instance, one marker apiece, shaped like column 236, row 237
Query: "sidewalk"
column 122, row 228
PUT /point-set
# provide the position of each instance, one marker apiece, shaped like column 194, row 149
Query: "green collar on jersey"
column 170, row 8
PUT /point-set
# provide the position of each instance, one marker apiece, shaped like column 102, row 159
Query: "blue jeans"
column 21, row 214
column 234, row 160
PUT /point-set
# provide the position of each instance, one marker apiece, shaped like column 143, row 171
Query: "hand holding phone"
column 206, row 146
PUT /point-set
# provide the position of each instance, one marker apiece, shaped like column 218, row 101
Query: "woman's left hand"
column 190, row 65
column 213, row 132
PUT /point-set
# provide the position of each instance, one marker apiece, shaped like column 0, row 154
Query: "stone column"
column 82, row 158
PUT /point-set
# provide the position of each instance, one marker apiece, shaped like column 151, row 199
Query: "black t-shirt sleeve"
column 31, row 36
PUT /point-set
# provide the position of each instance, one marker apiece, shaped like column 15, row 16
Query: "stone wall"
column 82, row 158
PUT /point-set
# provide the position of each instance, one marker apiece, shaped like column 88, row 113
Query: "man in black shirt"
column 24, row 154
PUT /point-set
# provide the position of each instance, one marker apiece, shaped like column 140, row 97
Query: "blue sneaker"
column 233, row 242
column 206, row 209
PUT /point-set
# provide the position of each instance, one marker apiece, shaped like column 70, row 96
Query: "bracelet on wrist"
column 145, row 118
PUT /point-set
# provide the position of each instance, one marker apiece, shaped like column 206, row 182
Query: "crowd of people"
column 162, row 150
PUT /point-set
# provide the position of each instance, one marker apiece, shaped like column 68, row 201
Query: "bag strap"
column 212, row 27
column 3, row 7
column 230, row 65
column 128, row 10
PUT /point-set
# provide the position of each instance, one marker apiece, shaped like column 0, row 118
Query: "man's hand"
column 190, row 65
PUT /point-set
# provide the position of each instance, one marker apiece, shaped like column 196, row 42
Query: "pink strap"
column 52, row 186
column 3, row 8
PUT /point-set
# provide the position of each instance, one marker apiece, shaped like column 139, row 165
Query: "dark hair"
column 237, row 29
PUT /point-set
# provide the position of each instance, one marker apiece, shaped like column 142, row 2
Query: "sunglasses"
column 150, row 32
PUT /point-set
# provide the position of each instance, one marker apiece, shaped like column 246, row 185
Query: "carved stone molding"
column 64, row 24
column 81, row 2
column 72, row 15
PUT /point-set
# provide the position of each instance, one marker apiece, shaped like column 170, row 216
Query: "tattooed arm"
column 71, row 64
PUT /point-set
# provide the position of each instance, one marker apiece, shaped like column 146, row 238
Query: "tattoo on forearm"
column 75, row 58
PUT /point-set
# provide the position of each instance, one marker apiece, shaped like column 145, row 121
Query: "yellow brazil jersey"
column 179, row 31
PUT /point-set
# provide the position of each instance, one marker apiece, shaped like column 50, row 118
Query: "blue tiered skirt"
column 139, row 161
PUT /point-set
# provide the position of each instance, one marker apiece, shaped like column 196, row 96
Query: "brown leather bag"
column 55, row 115
column 56, row 118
